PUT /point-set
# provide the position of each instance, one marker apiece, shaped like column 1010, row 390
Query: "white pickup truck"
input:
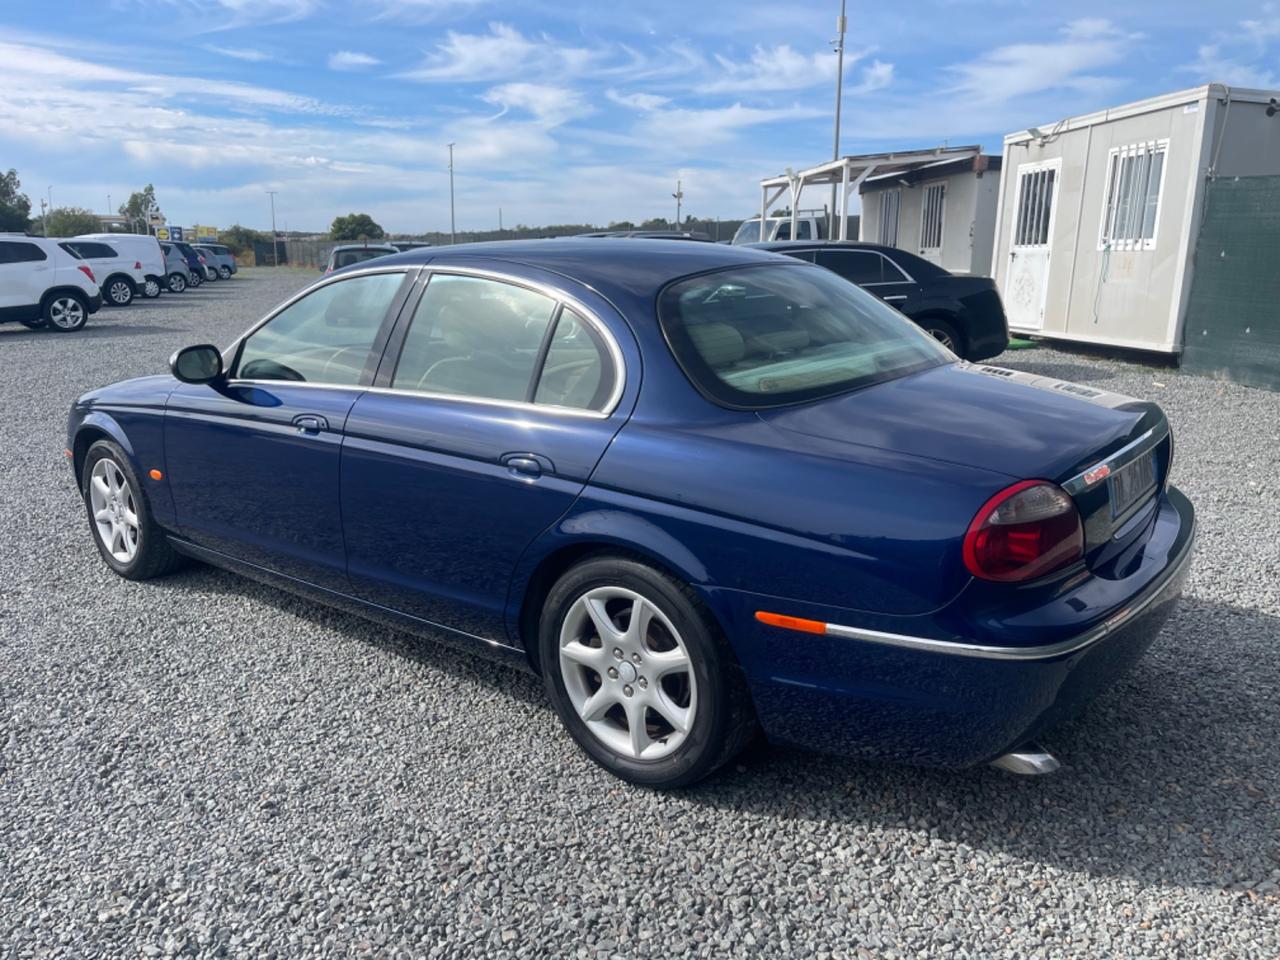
column 810, row 225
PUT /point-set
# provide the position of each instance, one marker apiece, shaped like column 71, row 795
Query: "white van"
column 120, row 277
column 146, row 250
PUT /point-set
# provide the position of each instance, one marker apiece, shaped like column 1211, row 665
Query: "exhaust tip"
column 1029, row 760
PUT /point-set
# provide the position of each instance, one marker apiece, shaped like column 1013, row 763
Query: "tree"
column 15, row 207
column 355, row 226
column 68, row 222
column 655, row 223
column 239, row 239
column 140, row 203
column 622, row 225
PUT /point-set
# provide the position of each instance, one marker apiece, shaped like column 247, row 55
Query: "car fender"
column 934, row 305
column 140, row 433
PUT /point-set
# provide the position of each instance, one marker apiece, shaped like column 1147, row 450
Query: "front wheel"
column 66, row 312
column 195, row 280
column 641, row 675
column 151, row 289
column 119, row 292
column 944, row 332
column 177, row 283
column 130, row 541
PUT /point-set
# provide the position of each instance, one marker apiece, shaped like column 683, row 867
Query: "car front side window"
column 325, row 337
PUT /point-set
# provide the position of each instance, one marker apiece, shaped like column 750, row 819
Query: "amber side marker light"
column 67, row 454
column 156, row 475
column 791, row 623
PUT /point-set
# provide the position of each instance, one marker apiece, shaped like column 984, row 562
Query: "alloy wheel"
column 115, row 512
column 943, row 338
column 66, row 313
column 627, row 673
column 120, row 293
column 151, row 289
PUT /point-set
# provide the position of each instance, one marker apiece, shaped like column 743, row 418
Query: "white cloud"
column 351, row 60
column 776, row 68
column 1022, row 68
column 1241, row 56
column 240, row 13
column 247, row 54
column 550, row 104
column 637, row 101
column 712, row 125
column 502, row 51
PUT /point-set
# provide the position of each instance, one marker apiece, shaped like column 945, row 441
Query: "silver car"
column 178, row 276
column 218, row 257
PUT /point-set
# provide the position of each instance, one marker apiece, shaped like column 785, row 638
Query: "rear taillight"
column 1025, row 531
column 201, row 259
column 87, row 272
column 137, row 264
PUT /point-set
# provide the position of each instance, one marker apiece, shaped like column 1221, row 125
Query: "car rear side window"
column 474, row 337
column 894, row 273
column 856, row 266
column 578, row 371
column 90, row 251
column 19, row 252
column 325, row 337
column 768, row 335
column 345, row 258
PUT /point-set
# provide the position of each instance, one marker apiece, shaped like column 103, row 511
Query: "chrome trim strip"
column 981, row 651
column 1125, row 455
column 611, row 343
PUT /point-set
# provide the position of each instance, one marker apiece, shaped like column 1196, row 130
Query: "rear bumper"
column 95, row 303
column 938, row 702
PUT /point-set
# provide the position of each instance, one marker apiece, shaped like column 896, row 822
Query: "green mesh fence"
column 1233, row 316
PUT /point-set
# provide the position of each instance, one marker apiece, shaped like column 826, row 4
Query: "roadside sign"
column 162, row 233
column 175, row 233
column 206, row 233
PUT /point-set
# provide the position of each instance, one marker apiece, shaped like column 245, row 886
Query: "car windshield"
column 749, row 232
column 773, row 334
column 344, row 258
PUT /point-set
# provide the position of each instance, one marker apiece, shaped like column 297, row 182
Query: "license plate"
column 1131, row 482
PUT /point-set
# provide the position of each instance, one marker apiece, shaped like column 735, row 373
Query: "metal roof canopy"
column 849, row 172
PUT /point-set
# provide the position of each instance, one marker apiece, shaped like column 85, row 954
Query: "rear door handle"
column 310, row 423
column 525, row 466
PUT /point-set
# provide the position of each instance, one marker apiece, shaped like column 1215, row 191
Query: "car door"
column 253, row 461
column 896, row 287
column 494, row 404
column 26, row 272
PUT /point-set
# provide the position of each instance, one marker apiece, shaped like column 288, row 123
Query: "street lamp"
column 452, row 227
column 835, row 147
column 679, row 195
column 275, row 251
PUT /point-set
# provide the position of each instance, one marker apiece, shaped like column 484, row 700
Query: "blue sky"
column 562, row 111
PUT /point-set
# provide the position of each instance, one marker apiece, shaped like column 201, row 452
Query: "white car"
column 146, row 250
column 119, row 277
column 42, row 284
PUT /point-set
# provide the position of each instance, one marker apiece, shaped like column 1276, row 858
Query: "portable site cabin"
column 1154, row 225
column 944, row 211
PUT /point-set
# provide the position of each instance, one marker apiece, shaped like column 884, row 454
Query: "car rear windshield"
column 345, row 258
column 774, row 334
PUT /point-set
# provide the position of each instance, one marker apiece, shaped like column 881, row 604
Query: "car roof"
column 919, row 266
column 638, row 266
column 364, row 246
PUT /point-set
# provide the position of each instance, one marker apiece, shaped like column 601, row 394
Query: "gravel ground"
column 202, row 766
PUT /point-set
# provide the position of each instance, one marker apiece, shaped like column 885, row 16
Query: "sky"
column 562, row 111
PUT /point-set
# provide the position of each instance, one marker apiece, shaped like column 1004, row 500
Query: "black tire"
column 118, row 292
column 65, row 312
column 211, row 277
column 151, row 289
column 194, row 280
column 724, row 721
column 154, row 556
column 945, row 333
column 177, row 283
column 224, row 272
column 35, row 324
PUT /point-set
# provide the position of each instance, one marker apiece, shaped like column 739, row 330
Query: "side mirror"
column 199, row 364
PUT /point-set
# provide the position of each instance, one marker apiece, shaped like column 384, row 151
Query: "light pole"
column 679, row 195
column 835, row 147
column 44, row 216
column 452, row 226
column 275, row 252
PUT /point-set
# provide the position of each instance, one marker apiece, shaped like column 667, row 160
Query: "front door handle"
column 310, row 423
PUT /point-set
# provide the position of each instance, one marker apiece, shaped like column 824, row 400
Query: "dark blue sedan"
column 699, row 489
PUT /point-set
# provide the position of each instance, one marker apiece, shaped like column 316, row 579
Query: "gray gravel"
column 202, row 766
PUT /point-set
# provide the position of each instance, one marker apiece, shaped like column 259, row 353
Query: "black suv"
column 964, row 313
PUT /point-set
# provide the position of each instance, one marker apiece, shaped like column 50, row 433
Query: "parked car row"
column 58, row 283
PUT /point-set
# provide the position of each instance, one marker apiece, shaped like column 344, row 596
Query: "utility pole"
column 452, row 224
column 275, row 250
column 44, row 216
column 499, row 223
column 841, row 24
column 679, row 195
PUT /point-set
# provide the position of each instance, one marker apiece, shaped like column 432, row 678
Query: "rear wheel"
column 118, row 292
column 224, row 273
column 641, row 675
column 66, row 312
column 195, row 280
column 130, row 541
column 945, row 333
column 151, row 288
column 177, row 283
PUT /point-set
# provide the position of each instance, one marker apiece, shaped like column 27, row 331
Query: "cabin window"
column 1135, row 179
